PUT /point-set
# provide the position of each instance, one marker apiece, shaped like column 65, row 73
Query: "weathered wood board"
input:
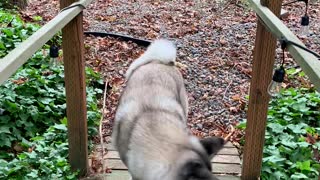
column 226, row 165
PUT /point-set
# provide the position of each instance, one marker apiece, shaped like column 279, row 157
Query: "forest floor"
column 215, row 41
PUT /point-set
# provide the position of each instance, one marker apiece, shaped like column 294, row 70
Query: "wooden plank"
column 12, row 61
column 73, row 56
column 308, row 62
column 112, row 154
column 227, row 159
column 217, row 168
column 229, row 151
column 263, row 60
column 227, row 145
column 124, row 175
column 216, row 159
column 115, row 164
column 118, row 175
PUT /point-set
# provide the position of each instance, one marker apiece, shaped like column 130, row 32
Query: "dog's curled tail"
column 161, row 50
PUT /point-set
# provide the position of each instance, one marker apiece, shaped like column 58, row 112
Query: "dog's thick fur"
column 150, row 130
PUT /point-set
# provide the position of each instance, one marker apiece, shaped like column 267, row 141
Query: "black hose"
column 140, row 42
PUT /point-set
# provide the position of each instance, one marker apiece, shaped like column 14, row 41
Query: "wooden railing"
column 70, row 21
column 269, row 28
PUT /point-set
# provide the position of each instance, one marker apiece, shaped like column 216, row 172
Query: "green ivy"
column 33, row 110
column 13, row 31
column 293, row 117
column 45, row 160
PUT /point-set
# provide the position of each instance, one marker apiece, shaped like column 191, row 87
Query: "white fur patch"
column 160, row 50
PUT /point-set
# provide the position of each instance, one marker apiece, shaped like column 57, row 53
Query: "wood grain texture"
column 217, row 168
column 263, row 61
column 229, row 149
column 111, row 148
column 225, row 166
column 228, row 159
column 73, row 56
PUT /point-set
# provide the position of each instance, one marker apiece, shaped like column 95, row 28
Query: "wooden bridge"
column 227, row 163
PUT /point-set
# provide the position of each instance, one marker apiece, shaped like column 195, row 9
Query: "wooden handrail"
column 308, row 62
column 12, row 61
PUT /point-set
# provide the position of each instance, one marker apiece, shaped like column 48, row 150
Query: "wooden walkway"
column 225, row 165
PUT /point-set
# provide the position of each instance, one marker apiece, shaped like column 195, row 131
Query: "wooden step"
column 124, row 175
column 226, row 165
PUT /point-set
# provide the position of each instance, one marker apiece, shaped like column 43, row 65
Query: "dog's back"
column 150, row 124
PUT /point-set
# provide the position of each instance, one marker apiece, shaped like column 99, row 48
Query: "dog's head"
column 194, row 163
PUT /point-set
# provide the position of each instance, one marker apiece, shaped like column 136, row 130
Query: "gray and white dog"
column 150, row 130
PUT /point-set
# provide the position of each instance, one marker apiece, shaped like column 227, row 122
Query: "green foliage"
column 35, row 98
column 293, row 122
column 46, row 158
column 291, row 73
column 13, row 31
column 13, row 4
column 33, row 110
column 292, row 136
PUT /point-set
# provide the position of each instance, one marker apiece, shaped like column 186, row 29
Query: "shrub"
column 292, row 143
column 33, row 120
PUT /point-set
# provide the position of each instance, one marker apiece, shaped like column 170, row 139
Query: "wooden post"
column 263, row 61
column 73, row 56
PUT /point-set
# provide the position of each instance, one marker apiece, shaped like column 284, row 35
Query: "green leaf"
column 37, row 18
column 45, row 100
column 291, row 71
column 6, row 140
column 275, row 127
column 60, row 127
column 273, row 159
column 298, row 176
column 2, row 46
column 5, row 129
column 22, row 156
column 33, row 174
column 8, row 32
column 301, row 74
column 10, row 106
column 303, row 144
column 298, row 129
column 64, row 121
column 316, row 146
column 303, row 165
column 242, row 125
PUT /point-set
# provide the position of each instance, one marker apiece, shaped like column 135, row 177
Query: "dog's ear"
column 212, row 145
